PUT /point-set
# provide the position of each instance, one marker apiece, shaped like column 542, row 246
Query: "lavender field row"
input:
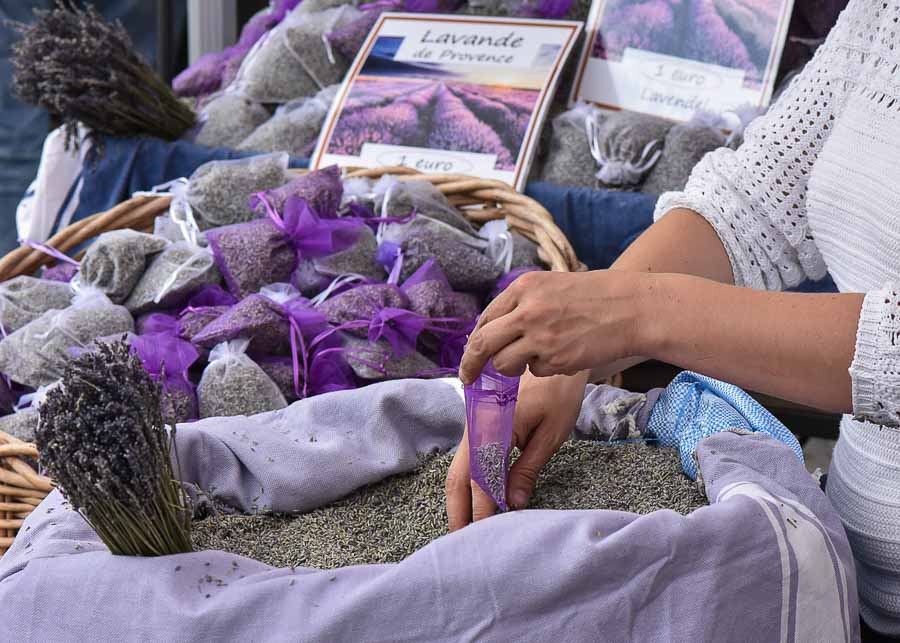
column 442, row 115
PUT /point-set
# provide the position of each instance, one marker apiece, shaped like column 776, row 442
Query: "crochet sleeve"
column 755, row 196
column 875, row 371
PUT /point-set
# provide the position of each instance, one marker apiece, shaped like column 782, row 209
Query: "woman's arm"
column 794, row 346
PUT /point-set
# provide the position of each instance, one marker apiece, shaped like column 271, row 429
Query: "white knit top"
column 816, row 187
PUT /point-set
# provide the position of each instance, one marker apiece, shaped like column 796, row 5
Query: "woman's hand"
column 557, row 323
column 546, row 413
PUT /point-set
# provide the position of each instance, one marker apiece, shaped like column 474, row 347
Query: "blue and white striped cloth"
column 693, row 407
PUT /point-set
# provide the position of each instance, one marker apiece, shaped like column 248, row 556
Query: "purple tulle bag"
column 490, row 409
column 167, row 359
column 62, row 271
column 264, row 251
column 255, row 317
column 321, row 189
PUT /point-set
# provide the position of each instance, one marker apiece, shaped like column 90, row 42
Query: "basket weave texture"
column 480, row 200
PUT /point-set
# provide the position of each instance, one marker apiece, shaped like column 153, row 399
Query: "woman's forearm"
column 793, row 346
column 682, row 242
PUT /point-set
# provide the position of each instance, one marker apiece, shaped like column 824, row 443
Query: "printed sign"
column 448, row 94
column 673, row 59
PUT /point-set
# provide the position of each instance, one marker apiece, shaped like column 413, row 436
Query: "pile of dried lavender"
column 219, row 191
column 466, row 268
column 233, row 384
column 115, row 262
column 388, row 521
column 102, row 440
column 228, row 119
column 172, row 276
column 22, row 424
column 295, row 60
column 83, row 69
column 362, row 302
column 24, row 299
column 376, row 361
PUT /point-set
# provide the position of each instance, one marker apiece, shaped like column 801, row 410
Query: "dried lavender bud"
column 102, row 440
column 194, row 320
column 525, row 251
column 307, row 279
column 321, row 189
column 281, row 371
column 362, row 302
column 172, row 277
column 294, row 128
column 256, row 318
column 177, row 405
column 228, row 119
column 465, row 267
column 219, row 191
column 252, row 255
column 233, row 384
column 685, row 145
column 569, row 161
column 293, row 61
column 37, row 353
column 22, row 424
column 492, row 459
column 24, row 299
column 433, row 299
column 358, row 259
column 405, row 197
column 357, row 530
column 362, row 355
column 115, row 262
column 84, row 70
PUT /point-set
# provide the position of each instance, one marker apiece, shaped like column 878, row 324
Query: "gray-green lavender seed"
column 294, row 128
column 388, row 521
column 24, row 299
column 293, row 62
column 229, row 119
column 20, row 425
column 192, row 267
column 115, row 262
column 492, row 460
column 219, row 191
column 37, row 353
column 235, row 385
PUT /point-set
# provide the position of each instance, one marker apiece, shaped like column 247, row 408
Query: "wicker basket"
column 21, row 488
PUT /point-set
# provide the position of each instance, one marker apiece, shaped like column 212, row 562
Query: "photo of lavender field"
column 435, row 106
column 731, row 33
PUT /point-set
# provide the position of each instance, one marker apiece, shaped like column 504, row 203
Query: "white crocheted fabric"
column 814, row 188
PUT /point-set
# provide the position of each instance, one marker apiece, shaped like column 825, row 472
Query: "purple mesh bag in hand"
column 490, row 408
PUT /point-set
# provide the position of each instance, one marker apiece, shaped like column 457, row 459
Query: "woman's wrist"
column 653, row 310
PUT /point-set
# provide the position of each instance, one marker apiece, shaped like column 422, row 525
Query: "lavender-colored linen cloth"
column 768, row 560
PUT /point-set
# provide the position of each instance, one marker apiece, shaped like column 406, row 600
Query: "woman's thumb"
column 524, row 473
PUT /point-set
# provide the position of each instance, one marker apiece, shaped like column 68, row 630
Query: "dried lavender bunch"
column 101, row 438
column 81, row 68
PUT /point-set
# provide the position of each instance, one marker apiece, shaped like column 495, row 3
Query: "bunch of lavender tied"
column 81, row 68
column 101, row 438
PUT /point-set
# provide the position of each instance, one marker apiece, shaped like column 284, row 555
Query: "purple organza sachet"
column 167, row 359
column 490, row 408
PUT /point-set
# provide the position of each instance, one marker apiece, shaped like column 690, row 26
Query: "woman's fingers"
column 504, row 304
column 513, row 360
column 482, row 505
column 523, row 475
column 459, row 493
column 485, row 342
